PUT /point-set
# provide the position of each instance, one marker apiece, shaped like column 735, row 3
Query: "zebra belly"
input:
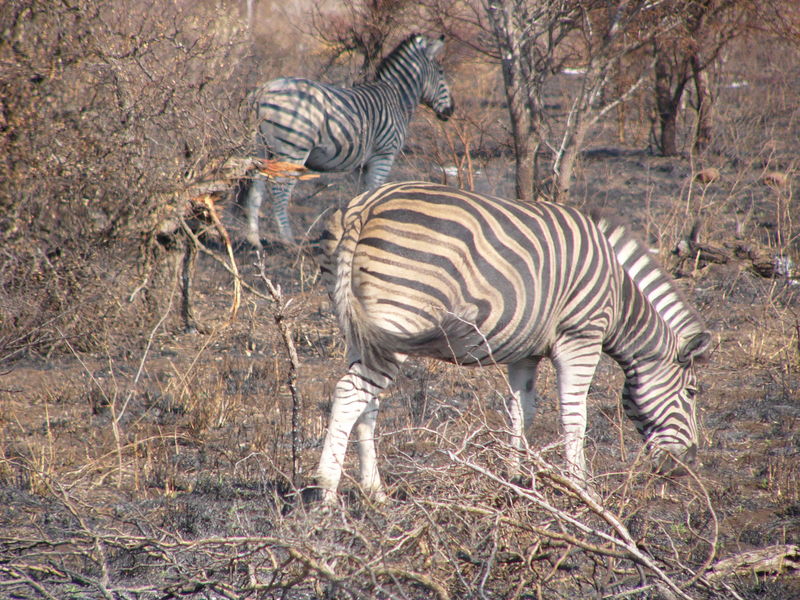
column 329, row 157
column 454, row 336
column 341, row 145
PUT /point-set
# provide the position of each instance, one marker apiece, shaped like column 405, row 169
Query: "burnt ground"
column 164, row 468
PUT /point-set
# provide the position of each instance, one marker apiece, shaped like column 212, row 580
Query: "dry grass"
column 144, row 462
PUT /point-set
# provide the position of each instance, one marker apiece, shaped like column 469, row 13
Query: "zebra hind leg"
column 281, row 192
column 252, row 208
column 367, row 455
column 356, row 393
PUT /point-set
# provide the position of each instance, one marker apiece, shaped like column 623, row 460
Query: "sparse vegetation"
column 138, row 461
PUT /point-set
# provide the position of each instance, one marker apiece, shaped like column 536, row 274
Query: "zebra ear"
column 434, row 47
column 694, row 347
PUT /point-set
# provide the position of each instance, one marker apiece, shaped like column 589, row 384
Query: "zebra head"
column 413, row 67
column 662, row 404
column 435, row 92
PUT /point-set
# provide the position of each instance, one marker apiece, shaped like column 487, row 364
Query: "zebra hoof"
column 319, row 495
column 287, row 238
column 379, row 497
column 254, row 240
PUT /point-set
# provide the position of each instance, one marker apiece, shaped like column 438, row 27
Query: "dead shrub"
column 107, row 108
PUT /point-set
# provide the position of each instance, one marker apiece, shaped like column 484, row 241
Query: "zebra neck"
column 406, row 78
column 650, row 278
column 642, row 339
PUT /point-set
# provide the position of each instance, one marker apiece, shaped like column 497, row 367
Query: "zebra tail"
column 362, row 338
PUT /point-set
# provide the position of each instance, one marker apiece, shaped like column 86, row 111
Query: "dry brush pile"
column 457, row 528
column 108, row 111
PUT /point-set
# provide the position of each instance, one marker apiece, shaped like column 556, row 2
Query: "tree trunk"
column 526, row 142
column 525, row 148
column 668, row 101
column 669, row 143
column 565, row 163
column 520, row 95
column 666, row 111
column 705, row 106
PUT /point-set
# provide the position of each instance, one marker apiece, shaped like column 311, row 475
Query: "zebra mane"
column 412, row 40
column 650, row 278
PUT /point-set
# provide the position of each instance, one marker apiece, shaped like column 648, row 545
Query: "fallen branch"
column 772, row 560
column 206, row 204
column 762, row 262
column 272, row 169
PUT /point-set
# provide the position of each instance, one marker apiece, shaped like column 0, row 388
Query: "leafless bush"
column 459, row 529
column 361, row 28
column 107, row 110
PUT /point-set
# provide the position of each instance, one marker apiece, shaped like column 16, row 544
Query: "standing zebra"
column 330, row 128
column 434, row 271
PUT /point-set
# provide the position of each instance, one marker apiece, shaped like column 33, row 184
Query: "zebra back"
column 654, row 283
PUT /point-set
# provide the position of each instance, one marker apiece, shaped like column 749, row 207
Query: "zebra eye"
column 691, row 392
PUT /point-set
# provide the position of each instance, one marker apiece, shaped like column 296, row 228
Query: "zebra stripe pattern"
column 424, row 269
column 334, row 129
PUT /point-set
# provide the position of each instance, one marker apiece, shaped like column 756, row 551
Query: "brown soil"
column 109, row 462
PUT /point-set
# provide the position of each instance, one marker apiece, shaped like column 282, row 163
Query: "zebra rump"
column 424, row 269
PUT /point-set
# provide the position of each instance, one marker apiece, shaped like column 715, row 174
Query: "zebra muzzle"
column 669, row 466
column 445, row 114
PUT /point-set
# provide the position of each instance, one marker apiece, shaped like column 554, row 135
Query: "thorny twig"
column 623, row 539
column 285, row 328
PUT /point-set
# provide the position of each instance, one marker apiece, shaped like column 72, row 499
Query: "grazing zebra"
column 429, row 270
column 330, row 128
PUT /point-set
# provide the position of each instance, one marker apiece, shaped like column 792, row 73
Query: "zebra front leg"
column 252, row 209
column 575, row 359
column 521, row 406
column 354, row 393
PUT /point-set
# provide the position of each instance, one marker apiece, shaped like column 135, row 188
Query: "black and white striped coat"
column 429, row 270
column 334, row 129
